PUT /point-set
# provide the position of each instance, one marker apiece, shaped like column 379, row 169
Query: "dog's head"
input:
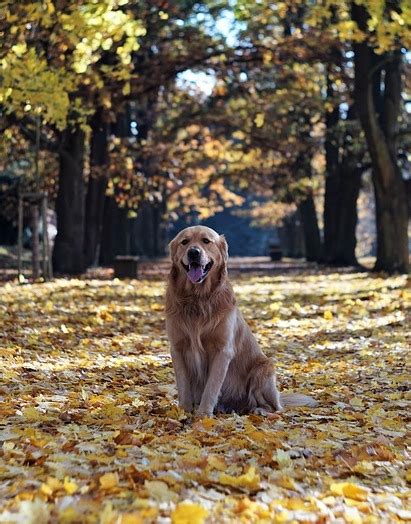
column 198, row 252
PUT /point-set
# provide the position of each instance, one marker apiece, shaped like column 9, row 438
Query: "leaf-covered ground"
column 90, row 430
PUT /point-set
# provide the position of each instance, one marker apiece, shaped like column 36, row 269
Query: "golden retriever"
column 218, row 364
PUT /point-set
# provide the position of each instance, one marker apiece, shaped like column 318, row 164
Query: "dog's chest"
column 197, row 364
column 197, row 352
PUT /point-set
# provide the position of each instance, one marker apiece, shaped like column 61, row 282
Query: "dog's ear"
column 223, row 246
column 172, row 246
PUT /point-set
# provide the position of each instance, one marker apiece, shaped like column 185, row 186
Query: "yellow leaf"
column 216, row 463
column 44, row 488
column 356, row 402
column 53, row 483
column 364, row 467
column 296, row 504
column 108, row 515
column 250, row 479
column 160, row 491
column 131, row 518
column 68, row 516
column 283, row 458
column 253, row 511
column 287, row 483
column 259, row 120
column 283, row 516
column 328, row 315
column 349, row 490
column 113, row 412
column 267, row 57
column 50, row 8
column 70, row 486
column 108, row 480
column 48, row 306
column 19, row 49
column 208, row 422
column 187, row 513
column 31, row 413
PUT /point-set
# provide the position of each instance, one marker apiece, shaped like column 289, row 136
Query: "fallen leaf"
column 108, row 480
column 160, row 491
column 70, row 486
column 350, row 490
column 249, row 479
column 187, row 513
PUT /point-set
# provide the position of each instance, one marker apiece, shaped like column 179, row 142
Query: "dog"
column 218, row 364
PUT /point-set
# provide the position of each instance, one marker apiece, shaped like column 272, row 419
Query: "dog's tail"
column 293, row 400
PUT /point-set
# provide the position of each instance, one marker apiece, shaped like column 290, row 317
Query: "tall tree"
column 68, row 256
column 62, row 60
column 96, row 187
column 378, row 101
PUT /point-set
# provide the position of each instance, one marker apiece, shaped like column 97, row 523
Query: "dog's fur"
column 217, row 361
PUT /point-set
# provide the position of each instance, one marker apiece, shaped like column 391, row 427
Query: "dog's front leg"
column 185, row 397
column 215, row 381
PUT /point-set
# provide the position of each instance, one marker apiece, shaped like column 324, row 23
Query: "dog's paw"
column 189, row 408
column 204, row 412
column 260, row 411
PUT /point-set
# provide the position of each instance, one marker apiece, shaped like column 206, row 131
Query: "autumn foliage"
column 91, row 431
column 303, row 98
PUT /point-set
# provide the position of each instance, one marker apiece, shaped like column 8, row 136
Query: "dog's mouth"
column 196, row 272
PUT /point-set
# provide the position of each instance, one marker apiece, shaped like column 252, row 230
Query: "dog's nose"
column 194, row 253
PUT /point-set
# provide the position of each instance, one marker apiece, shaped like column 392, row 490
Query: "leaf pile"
column 90, row 429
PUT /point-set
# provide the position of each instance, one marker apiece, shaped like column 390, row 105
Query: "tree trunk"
column 96, row 190
column 160, row 227
column 332, row 178
column 96, row 194
column 142, row 231
column 346, row 241
column 115, row 232
column 331, row 215
column 312, row 239
column 35, row 246
column 291, row 237
column 390, row 195
column 68, row 248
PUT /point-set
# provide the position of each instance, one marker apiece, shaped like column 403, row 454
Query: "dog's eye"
column 206, row 241
column 184, row 242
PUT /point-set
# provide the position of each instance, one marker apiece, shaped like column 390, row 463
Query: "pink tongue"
column 195, row 273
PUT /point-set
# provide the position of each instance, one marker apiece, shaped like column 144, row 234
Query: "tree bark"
column 343, row 181
column 35, row 245
column 346, row 241
column 308, row 213
column 68, row 248
column 312, row 239
column 96, row 190
column 389, row 187
column 332, row 178
column 115, row 235
column 291, row 236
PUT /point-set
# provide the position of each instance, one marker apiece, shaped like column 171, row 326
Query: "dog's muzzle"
column 196, row 270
